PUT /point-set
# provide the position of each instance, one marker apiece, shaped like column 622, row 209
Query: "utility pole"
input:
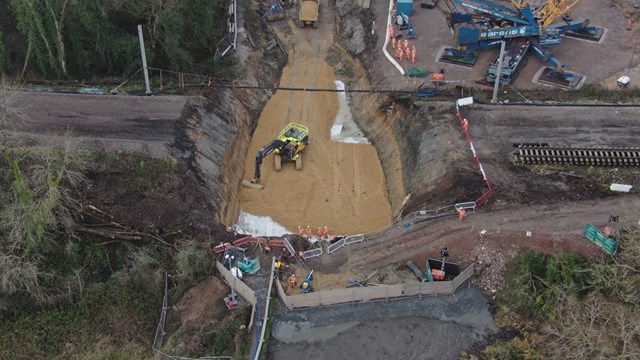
column 498, row 73
column 144, row 61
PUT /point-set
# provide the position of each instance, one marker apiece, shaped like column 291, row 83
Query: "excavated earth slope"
column 341, row 186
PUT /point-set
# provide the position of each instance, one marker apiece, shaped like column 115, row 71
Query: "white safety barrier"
column 386, row 40
column 312, row 253
column 353, row 239
column 466, row 206
column 290, row 248
column 335, row 246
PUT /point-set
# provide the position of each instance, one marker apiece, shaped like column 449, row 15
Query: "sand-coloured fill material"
column 341, row 186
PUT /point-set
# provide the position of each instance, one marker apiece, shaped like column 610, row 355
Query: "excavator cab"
column 295, row 138
column 290, row 142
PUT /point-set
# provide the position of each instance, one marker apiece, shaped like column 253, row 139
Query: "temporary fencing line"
column 386, row 40
column 464, row 124
column 236, row 85
column 266, row 310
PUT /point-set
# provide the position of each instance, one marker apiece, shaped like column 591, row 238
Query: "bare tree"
column 10, row 110
column 594, row 328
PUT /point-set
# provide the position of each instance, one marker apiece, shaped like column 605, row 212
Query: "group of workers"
column 402, row 50
column 307, row 233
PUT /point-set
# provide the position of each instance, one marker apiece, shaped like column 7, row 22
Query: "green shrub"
column 193, row 262
column 538, row 281
column 514, row 349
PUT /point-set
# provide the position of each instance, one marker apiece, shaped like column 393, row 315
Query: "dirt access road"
column 102, row 122
column 341, row 186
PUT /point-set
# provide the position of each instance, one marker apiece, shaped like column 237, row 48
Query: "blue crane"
column 497, row 11
column 523, row 23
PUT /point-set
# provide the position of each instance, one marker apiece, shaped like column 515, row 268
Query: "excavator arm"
column 262, row 153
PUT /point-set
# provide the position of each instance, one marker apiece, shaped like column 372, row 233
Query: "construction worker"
column 413, row 55
column 319, row 233
column 461, row 214
column 300, row 231
column 391, row 32
column 308, row 232
column 393, row 43
column 465, row 125
column 292, row 281
column 325, row 233
column 399, row 53
column 406, row 46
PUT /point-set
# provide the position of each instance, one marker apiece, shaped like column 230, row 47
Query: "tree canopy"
column 96, row 38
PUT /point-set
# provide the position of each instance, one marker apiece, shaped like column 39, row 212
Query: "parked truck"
column 309, row 10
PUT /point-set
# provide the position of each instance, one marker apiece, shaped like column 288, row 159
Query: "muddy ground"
column 428, row 328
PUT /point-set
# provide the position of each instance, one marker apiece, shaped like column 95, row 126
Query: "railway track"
column 578, row 156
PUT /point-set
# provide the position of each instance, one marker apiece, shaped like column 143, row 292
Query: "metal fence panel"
column 312, row 253
column 466, row 205
column 157, row 340
column 335, row 246
column 290, row 248
column 353, row 239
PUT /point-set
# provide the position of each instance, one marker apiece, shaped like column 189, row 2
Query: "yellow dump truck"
column 309, row 10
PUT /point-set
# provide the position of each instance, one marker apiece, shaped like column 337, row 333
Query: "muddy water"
column 341, row 186
column 292, row 332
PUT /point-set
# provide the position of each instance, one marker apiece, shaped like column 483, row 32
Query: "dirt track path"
column 341, row 186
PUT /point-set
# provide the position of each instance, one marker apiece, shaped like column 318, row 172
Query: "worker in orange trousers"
column 465, row 125
column 461, row 214
column 391, row 32
column 393, row 43
column 325, row 233
column 399, row 53
column 308, row 233
column 292, row 281
column 413, row 55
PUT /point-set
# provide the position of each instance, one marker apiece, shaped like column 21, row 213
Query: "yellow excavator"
column 288, row 147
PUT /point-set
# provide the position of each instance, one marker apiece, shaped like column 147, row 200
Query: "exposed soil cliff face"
column 214, row 133
column 420, row 145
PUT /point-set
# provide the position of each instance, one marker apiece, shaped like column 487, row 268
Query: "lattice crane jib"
column 552, row 10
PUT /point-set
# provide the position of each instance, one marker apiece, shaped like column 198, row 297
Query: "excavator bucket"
column 252, row 185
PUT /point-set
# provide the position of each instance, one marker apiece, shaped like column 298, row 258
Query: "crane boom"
column 554, row 9
column 494, row 10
